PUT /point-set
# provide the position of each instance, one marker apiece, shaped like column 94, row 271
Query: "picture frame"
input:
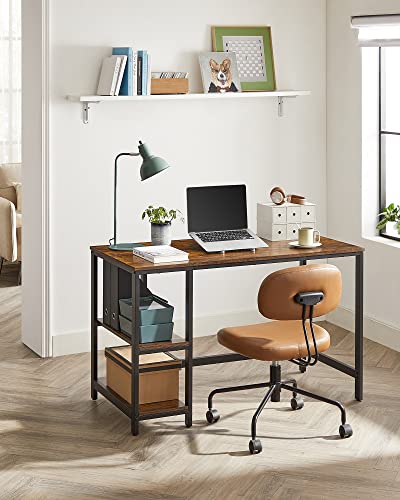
column 219, row 72
column 254, row 53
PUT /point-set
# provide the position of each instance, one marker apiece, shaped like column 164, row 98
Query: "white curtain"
column 377, row 31
column 10, row 81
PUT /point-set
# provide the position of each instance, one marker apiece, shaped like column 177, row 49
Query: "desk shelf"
column 280, row 95
column 146, row 411
column 176, row 344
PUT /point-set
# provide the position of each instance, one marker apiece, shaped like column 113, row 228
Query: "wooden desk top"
column 278, row 251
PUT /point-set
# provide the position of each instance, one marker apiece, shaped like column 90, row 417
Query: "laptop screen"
column 216, row 208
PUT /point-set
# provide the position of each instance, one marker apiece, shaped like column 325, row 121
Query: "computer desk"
column 123, row 273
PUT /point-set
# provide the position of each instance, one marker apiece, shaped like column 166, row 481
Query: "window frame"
column 382, row 134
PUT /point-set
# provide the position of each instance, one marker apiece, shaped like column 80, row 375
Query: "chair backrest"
column 276, row 297
column 9, row 173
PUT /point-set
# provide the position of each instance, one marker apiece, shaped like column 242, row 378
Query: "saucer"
column 295, row 244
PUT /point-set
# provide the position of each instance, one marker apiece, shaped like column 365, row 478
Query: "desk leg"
column 135, row 332
column 359, row 324
column 189, row 350
column 93, row 324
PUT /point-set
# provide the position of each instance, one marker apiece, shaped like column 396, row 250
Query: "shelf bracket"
column 85, row 110
column 280, row 107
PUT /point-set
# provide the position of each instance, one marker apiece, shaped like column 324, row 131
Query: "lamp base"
column 124, row 246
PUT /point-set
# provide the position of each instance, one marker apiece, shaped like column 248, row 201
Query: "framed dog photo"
column 253, row 48
column 219, row 72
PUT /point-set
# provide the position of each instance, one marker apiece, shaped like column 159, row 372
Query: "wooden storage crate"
column 158, row 375
column 169, row 86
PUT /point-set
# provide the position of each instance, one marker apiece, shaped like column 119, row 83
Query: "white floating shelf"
column 86, row 100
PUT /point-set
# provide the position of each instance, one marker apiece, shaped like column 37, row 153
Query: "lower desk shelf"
column 176, row 344
column 146, row 411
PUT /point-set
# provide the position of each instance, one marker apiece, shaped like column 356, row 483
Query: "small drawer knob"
column 113, row 315
column 106, row 312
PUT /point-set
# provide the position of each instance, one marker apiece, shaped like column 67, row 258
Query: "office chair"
column 293, row 297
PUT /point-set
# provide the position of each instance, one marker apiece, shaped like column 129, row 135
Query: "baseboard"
column 387, row 335
column 77, row 342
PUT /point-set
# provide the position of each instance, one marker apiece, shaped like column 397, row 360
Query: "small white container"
column 280, row 222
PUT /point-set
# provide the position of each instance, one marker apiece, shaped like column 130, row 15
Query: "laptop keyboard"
column 233, row 235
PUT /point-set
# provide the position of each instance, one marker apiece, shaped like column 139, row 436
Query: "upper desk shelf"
column 87, row 100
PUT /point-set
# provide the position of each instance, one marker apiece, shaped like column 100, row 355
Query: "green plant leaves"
column 390, row 214
column 160, row 215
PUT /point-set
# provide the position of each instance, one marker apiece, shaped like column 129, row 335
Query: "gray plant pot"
column 161, row 234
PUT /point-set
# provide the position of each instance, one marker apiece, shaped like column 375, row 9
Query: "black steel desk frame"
column 189, row 362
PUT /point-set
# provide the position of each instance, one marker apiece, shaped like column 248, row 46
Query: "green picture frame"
column 265, row 79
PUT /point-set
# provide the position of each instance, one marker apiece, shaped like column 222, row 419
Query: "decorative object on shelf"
column 390, row 216
column 112, row 72
column 151, row 166
column 281, row 222
column 278, row 197
column 219, row 73
column 160, row 219
column 253, row 48
column 166, row 86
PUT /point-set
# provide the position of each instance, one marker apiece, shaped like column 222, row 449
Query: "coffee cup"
column 308, row 236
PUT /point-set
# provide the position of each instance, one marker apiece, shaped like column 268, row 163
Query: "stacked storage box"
column 158, row 375
column 155, row 318
column 281, row 222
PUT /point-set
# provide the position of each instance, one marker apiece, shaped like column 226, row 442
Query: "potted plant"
column 160, row 219
column 390, row 215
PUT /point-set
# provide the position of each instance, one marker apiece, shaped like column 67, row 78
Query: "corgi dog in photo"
column 221, row 77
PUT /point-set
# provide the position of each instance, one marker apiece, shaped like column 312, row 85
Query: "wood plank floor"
column 55, row 443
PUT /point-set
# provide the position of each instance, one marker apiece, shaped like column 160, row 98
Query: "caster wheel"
column 212, row 416
column 302, row 369
column 296, row 403
column 345, row 431
column 255, row 446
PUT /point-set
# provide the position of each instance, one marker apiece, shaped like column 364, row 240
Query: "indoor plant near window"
column 390, row 215
column 160, row 219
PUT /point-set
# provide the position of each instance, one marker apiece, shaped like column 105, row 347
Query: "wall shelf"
column 280, row 95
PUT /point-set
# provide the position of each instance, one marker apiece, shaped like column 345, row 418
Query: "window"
column 10, row 81
column 389, row 131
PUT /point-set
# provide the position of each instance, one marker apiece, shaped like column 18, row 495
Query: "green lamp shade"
column 151, row 165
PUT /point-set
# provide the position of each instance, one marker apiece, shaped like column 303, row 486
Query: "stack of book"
column 170, row 74
column 125, row 72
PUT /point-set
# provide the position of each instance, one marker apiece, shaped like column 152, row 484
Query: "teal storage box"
column 152, row 310
column 161, row 332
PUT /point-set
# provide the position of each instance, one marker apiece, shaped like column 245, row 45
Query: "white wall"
column 207, row 143
column 350, row 202
column 34, row 176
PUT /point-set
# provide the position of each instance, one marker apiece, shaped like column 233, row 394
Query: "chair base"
column 275, row 387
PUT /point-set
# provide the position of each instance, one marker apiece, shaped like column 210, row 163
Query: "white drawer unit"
column 293, row 214
column 280, row 222
column 279, row 232
column 308, row 213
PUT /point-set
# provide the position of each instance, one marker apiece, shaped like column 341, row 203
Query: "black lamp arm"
column 114, row 238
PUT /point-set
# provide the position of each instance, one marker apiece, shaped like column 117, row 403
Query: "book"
column 121, row 75
column 109, row 75
column 134, row 73
column 127, row 80
column 148, row 75
column 161, row 254
column 139, row 72
column 145, row 65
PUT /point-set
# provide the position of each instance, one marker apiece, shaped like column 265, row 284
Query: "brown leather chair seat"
column 274, row 341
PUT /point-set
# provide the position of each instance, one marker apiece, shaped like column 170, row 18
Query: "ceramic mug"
column 308, row 236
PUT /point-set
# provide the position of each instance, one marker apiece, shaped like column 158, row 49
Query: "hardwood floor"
column 55, row 443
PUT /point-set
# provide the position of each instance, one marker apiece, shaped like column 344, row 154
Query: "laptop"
column 217, row 219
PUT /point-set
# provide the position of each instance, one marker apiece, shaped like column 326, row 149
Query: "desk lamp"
column 151, row 165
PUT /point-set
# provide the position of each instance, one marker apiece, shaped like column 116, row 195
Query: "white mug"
column 308, row 236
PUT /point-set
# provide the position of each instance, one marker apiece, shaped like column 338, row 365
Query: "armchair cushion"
column 9, row 173
column 8, row 230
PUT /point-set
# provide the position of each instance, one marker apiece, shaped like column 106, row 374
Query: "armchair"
column 10, row 215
